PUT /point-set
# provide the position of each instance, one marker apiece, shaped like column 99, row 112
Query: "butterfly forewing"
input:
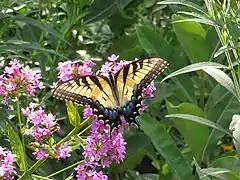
column 85, row 89
column 137, row 74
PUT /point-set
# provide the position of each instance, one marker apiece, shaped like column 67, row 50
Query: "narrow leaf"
column 47, row 27
column 33, row 46
column 222, row 50
column 183, row 2
column 201, row 174
column 195, row 67
column 17, row 148
column 222, row 78
column 201, row 121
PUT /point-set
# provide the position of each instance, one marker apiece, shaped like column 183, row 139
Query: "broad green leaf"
column 188, row 128
column 73, row 115
column 222, row 78
column 127, row 46
column 195, row 67
column 183, row 2
column 166, row 147
column 192, row 37
column 17, row 148
column 201, row 174
column 135, row 152
column 152, row 42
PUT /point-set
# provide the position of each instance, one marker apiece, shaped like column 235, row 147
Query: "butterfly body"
column 116, row 95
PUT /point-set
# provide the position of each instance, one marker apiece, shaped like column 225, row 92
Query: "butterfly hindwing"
column 85, row 90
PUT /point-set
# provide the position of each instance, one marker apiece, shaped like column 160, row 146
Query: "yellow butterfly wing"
column 136, row 76
column 86, row 90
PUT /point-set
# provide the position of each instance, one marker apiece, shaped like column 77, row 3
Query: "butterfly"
column 113, row 96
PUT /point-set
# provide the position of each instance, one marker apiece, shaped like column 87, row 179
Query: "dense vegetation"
column 191, row 127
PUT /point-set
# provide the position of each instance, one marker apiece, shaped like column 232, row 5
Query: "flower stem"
column 64, row 169
column 21, row 131
column 40, row 162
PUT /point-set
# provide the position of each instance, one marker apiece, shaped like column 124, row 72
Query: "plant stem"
column 21, row 132
column 64, row 169
column 40, row 162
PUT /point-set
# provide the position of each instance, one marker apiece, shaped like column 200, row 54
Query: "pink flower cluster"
column 42, row 127
column 18, row 78
column 101, row 150
column 69, row 70
column 7, row 158
column 112, row 66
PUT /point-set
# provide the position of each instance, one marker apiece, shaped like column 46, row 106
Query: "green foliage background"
column 187, row 123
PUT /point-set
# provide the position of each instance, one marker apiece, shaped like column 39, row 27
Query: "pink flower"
column 7, row 159
column 87, row 112
column 69, row 70
column 42, row 125
column 63, row 151
column 113, row 57
column 40, row 153
column 89, row 63
column 149, row 90
column 101, row 150
column 89, row 174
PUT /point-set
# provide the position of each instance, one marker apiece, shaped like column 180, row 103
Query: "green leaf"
column 47, row 27
column 201, row 174
column 228, row 162
column 190, row 33
column 166, row 147
column 17, row 148
column 101, row 9
column 222, row 78
column 218, row 173
column 183, row 2
column 188, row 128
column 155, row 45
column 201, row 120
column 222, row 50
column 73, row 115
column 11, row 44
column 195, row 67
column 219, row 108
column 152, row 42
column 201, row 18
column 135, row 152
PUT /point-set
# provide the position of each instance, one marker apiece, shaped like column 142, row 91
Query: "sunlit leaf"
column 73, row 115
